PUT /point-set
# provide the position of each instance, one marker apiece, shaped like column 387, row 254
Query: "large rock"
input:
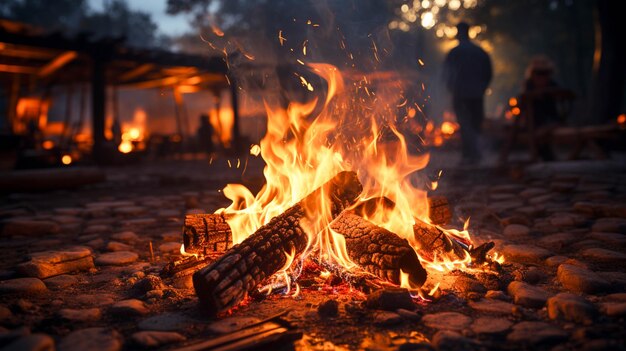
column 603, row 255
column 390, row 299
column 24, row 286
column 525, row 253
column 581, row 280
column 571, row 308
column 28, row 227
column 447, row 321
column 527, row 295
column 129, row 308
column 51, row 263
column 614, row 309
column 491, row 325
column 93, row 339
column 536, row 333
column 118, row 258
column 492, row 306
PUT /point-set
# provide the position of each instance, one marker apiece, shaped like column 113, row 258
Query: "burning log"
column 378, row 250
column 227, row 281
column 204, row 233
column 434, row 242
column 439, row 210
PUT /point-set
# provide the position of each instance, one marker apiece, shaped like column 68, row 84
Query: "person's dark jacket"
column 467, row 70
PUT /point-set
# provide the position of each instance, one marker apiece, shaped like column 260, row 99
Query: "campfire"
column 340, row 196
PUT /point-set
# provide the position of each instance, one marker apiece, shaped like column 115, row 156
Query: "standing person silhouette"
column 467, row 73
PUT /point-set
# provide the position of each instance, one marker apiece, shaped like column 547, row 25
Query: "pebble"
column 169, row 247
column 50, row 263
column 571, row 308
column 525, row 253
column 557, row 241
column 497, row 295
column 492, row 306
column 149, row 283
column 516, row 231
column 94, row 300
column 328, row 309
column 490, row 325
column 80, row 315
column 386, row 318
column 129, row 308
column 25, row 286
column 151, row 339
column 390, row 299
column 535, row 333
column 126, row 237
column 447, row 320
column 118, row 246
column 604, row 255
column 31, row 342
column 129, row 211
column 527, row 295
column 61, row 281
column 610, row 224
column 5, row 314
column 555, row 260
column 610, row 238
column 93, row 339
column 581, row 280
column 28, row 228
column 165, row 322
column 97, row 229
column 448, row 340
column 119, row 258
column 614, row 309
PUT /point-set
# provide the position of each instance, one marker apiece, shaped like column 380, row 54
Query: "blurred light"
column 393, row 25
column 417, row 4
column 428, row 20
column 426, row 4
column 48, row 144
column 621, row 119
column 508, row 115
column 440, row 3
column 450, row 32
column 470, row 4
column 454, row 5
column 412, row 17
column 512, row 102
column 403, row 26
column 516, row 111
column 404, row 8
column 435, row 10
column 66, row 159
column 255, row 150
column 489, row 92
column 125, row 147
column 448, row 128
column 440, row 33
column 411, row 112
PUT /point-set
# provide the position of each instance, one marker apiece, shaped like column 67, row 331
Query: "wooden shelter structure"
column 31, row 56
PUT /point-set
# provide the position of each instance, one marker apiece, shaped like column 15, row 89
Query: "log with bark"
column 439, row 210
column 227, row 281
column 206, row 233
column 378, row 250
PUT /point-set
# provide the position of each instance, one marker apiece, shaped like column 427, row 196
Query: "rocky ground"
column 79, row 269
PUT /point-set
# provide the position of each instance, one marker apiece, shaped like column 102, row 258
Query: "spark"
column 281, row 39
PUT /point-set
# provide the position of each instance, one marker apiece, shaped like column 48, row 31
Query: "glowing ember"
column 66, row 159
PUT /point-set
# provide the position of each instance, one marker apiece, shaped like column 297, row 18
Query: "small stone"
column 25, row 286
column 492, row 306
column 5, row 314
column 525, row 253
column 490, row 325
column 390, row 299
column 610, row 238
column 535, row 333
column 562, row 221
column 516, row 231
column 448, row 340
column 614, row 309
column 129, row 308
column 32, row 342
column 94, row 300
column 613, row 225
column 165, row 322
column 126, row 237
column 604, row 255
column 557, row 241
column 328, row 309
column 28, row 227
column 50, row 263
column 170, row 247
column 527, row 295
column 231, row 324
column 119, row 258
column 80, row 315
column 386, row 318
column 156, row 338
column 149, row 283
column 97, row 229
column 497, row 295
column 571, row 308
column 61, row 281
column 447, row 320
column 93, row 339
column 410, row 315
column 555, row 260
column 118, row 246
column 581, row 280
column 465, row 284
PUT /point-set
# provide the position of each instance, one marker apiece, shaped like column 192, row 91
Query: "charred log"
column 378, row 250
column 227, row 281
column 439, row 210
column 206, row 233
column 433, row 242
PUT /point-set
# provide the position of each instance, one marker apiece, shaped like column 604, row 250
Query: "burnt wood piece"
column 433, row 242
column 439, row 210
column 378, row 250
column 206, row 233
column 227, row 281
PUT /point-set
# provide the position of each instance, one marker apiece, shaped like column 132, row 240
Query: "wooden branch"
column 378, row 250
column 227, row 281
